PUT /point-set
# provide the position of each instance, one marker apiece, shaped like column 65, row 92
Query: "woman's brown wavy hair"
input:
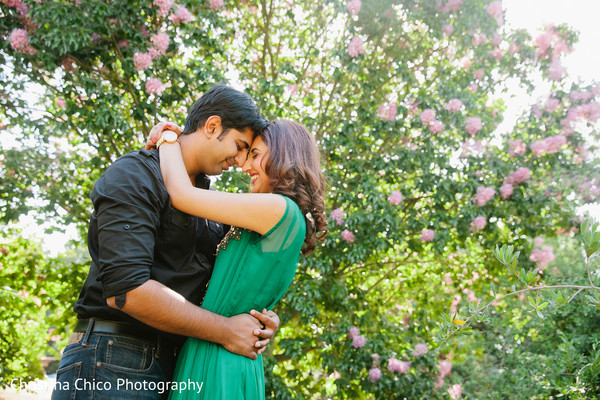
column 294, row 170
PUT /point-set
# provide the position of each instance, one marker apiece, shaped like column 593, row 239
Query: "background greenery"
column 360, row 81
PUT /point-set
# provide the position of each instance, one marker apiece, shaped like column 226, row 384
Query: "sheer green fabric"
column 250, row 273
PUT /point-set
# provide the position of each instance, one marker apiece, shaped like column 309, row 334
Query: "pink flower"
column 520, row 175
column 374, row 374
column 556, row 70
column 496, row 40
column 452, row 5
column 420, row 349
column 395, row 198
column 552, row 104
column 427, row 116
column 478, row 224
column 160, row 42
column 454, row 105
column 395, row 365
column 154, row 86
column 427, row 235
column 293, row 89
column 163, row 6
column 141, row 61
column 466, row 64
column 472, row 125
column 359, row 341
column 181, row 15
column 348, row 236
column 445, row 368
column 495, row 11
column 543, row 42
column 516, row 147
column 387, row 112
column 436, row 126
column 439, row 382
column 542, row 257
column 473, row 87
column 448, row 29
column 455, row 391
column 216, row 5
column 506, row 191
column 538, row 241
column 19, row 41
column 61, row 103
column 484, row 194
column 496, row 54
column 478, row 74
column 353, row 7
column 355, row 47
column 353, row 332
column 338, row 216
column 554, row 143
column 478, row 39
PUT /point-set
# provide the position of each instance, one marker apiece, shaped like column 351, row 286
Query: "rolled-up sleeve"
column 127, row 200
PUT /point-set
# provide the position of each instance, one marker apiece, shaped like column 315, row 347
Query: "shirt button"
column 127, row 227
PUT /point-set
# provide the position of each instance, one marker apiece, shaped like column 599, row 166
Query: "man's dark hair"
column 236, row 109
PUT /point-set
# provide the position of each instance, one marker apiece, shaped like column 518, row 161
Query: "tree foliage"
column 405, row 99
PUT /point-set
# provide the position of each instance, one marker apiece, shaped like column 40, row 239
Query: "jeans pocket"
column 65, row 378
column 124, row 354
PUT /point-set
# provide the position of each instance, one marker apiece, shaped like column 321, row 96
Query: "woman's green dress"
column 251, row 272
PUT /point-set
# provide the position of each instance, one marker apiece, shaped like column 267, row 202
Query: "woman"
column 257, row 259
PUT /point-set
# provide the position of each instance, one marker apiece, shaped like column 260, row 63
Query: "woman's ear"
column 212, row 126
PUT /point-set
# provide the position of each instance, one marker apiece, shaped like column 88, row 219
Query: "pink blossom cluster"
column 454, row 105
column 353, row 7
column 516, row 147
column 427, row 235
column 519, row 176
column 163, row 6
column 61, row 103
column 445, row 369
column 552, row 104
column 589, row 189
column 549, row 145
column 419, row 350
column 542, row 257
column 216, row 5
column 494, row 10
column 581, row 154
column 19, row 41
column 395, row 365
column 483, row 195
column 338, row 216
column 358, row 340
column 496, row 40
column 387, row 112
column 478, row 39
column 448, row 29
column 356, row 47
column 478, row 74
column 472, row 125
column 506, row 190
column 160, row 43
column 450, row 5
column 589, row 111
column 154, row 86
column 550, row 39
column 141, row 61
column 427, row 116
column 556, row 70
column 181, row 15
column 496, row 54
column 478, row 224
column 455, row 391
column 395, row 198
column 293, row 89
column 374, row 374
column 348, row 236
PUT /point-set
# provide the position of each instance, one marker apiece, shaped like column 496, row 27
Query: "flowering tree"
column 404, row 98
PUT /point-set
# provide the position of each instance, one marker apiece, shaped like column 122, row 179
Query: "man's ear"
column 212, row 126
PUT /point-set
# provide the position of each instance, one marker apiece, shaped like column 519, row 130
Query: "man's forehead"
column 245, row 135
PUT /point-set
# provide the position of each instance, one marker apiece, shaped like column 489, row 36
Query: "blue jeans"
column 112, row 367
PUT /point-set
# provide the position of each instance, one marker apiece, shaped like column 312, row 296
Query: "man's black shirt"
column 135, row 235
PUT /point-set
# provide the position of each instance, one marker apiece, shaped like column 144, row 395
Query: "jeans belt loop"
column 88, row 331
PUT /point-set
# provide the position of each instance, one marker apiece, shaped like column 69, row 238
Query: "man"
column 151, row 264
